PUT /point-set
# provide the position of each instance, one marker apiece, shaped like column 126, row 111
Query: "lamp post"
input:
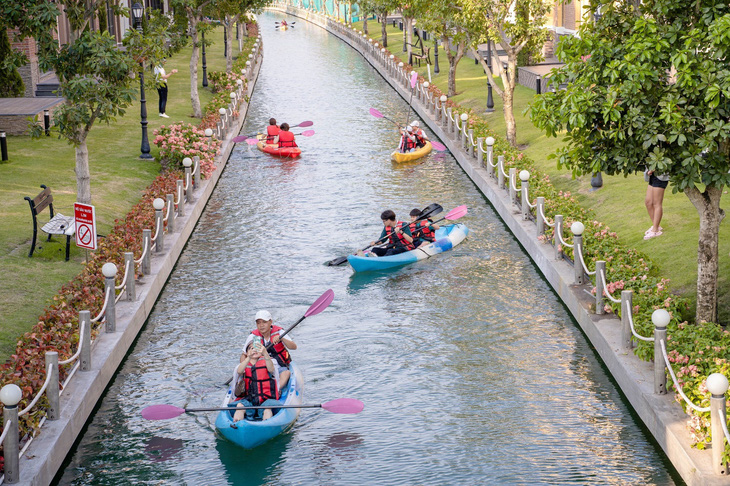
column 205, row 66
column 490, row 100
column 436, row 56
column 225, row 41
column 137, row 13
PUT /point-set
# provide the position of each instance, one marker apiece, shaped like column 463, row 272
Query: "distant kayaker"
column 256, row 384
column 424, row 231
column 421, row 137
column 285, row 137
column 283, row 23
column 272, row 131
column 266, row 330
column 398, row 235
column 407, row 140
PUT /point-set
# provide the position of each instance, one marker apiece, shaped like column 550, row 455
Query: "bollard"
column 158, row 204
column 660, row 318
column 538, row 85
column 10, row 395
column 52, row 392
column 464, row 118
column 525, row 191
column 110, row 271
column 556, row 240
column 130, row 283
column 4, row 146
column 170, row 213
column 196, row 172
column 490, row 156
column 480, row 152
column 600, row 267
column 717, row 384
column 181, row 197
column 449, row 121
column 577, row 229
column 187, row 163
column 85, row 329
column 469, row 144
column 146, row 245
column 47, row 122
column 539, row 211
column 512, row 184
column 627, row 310
column 500, row 171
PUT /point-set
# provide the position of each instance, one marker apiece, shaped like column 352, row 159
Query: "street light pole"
column 436, row 56
column 490, row 100
column 137, row 13
column 205, row 66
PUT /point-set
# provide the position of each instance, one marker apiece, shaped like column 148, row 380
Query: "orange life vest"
column 271, row 132
column 279, row 352
column 401, row 241
column 260, row 384
column 407, row 143
column 286, row 139
column 422, row 230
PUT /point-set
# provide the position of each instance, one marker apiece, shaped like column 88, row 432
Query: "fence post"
column 512, row 184
column 469, row 144
column 54, row 405
column 10, row 395
column 600, row 269
column 449, row 121
column 170, row 213
column 146, row 249
column 159, row 204
column 188, row 189
column 130, row 283
column 660, row 318
column 480, row 152
column 717, row 384
column 627, row 309
column 500, row 171
column 539, row 211
column 577, row 229
column 85, row 356
column 490, row 156
column 110, row 271
column 181, row 197
column 525, row 190
column 556, row 239
column 196, row 172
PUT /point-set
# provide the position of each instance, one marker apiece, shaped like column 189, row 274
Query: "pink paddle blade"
column 344, row 405
column 414, row 79
column 438, row 146
column 376, row 113
column 305, row 124
column 252, row 141
column 320, row 304
column 161, row 412
column 239, row 138
column 307, row 133
column 456, row 213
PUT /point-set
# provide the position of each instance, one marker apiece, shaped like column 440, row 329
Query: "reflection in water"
column 471, row 370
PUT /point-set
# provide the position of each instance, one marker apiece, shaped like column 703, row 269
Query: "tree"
column 230, row 13
column 648, row 86
column 516, row 25
column 11, row 83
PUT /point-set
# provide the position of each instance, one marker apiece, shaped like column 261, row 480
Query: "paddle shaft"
column 217, row 409
column 409, row 106
column 425, row 216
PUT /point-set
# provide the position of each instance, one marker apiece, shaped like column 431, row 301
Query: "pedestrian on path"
column 654, row 199
column 161, row 78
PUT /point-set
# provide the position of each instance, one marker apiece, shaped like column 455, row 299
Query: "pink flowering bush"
column 185, row 140
column 223, row 82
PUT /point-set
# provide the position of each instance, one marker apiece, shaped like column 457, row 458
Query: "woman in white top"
column 161, row 79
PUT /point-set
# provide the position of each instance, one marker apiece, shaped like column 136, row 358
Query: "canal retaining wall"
column 46, row 453
column 663, row 417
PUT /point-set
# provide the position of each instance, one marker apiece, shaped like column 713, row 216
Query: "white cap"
column 410, row 128
column 415, row 123
column 264, row 315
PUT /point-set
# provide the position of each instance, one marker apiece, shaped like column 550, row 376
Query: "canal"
column 470, row 368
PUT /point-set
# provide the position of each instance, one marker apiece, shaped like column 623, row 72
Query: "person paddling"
column 256, row 384
column 424, row 231
column 421, row 137
column 407, row 140
column 398, row 234
column 283, row 23
column 285, row 137
column 272, row 131
column 270, row 335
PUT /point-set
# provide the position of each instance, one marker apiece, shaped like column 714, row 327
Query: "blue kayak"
column 447, row 237
column 250, row 434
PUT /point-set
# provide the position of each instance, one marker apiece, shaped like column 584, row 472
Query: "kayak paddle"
column 414, row 80
column 241, row 138
column 429, row 210
column 339, row 405
column 254, row 140
column 322, row 302
column 438, row 146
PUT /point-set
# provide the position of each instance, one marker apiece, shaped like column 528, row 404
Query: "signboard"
column 85, row 226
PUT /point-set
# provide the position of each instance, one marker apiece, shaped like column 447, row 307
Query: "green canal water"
column 470, row 368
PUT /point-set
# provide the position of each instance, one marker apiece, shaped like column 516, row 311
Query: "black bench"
column 58, row 225
column 425, row 54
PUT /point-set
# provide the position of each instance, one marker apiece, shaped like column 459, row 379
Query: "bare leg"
column 268, row 414
column 657, row 198
column 649, row 203
column 284, row 379
column 240, row 413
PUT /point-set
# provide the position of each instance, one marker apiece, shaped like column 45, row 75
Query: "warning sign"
column 85, row 226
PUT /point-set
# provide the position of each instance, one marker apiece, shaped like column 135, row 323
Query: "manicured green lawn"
column 619, row 203
column 118, row 178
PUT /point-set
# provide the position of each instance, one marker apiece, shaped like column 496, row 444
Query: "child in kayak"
column 256, row 384
column 285, row 137
column 398, row 234
column 270, row 336
column 424, row 231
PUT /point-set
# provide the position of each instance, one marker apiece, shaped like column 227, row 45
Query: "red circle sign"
column 84, row 232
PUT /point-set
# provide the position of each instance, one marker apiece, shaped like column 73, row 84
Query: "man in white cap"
column 421, row 137
column 269, row 335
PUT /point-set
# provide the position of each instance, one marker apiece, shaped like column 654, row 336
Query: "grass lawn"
column 619, row 203
column 118, row 179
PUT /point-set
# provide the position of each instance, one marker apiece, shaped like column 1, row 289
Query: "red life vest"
column 422, row 230
column 286, row 139
column 280, row 353
column 408, row 144
column 271, row 132
column 260, row 384
column 420, row 141
column 401, row 238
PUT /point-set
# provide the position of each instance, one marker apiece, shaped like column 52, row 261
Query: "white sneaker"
column 164, row 115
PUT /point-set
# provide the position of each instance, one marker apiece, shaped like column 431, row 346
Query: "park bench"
column 425, row 54
column 58, row 225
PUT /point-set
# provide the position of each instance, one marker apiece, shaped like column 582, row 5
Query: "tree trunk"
column 240, row 36
column 408, row 28
column 453, row 61
column 708, row 206
column 383, row 29
column 83, row 176
column 229, row 53
column 194, row 97
column 365, row 24
column 509, row 115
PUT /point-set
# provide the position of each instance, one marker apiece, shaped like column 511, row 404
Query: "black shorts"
column 655, row 182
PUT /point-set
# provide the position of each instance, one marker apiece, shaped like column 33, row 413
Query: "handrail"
column 582, row 262
column 167, row 216
column 103, row 309
column 562, row 241
column 78, row 351
column 513, row 182
column 605, row 288
column 7, row 428
column 676, row 382
column 144, row 253
column 542, row 215
column 157, row 233
column 177, row 201
column 630, row 314
column 723, row 422
column 124, row 279
column 40, row 392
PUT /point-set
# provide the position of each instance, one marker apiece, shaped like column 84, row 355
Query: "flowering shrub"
column 185, row 140
column 221, row 81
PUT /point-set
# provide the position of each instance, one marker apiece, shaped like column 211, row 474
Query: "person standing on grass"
column 161, row 79
column 654, row 199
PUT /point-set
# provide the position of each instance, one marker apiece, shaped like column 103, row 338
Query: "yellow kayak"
column 410, row 156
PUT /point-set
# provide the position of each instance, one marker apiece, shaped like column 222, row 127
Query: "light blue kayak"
column 447, row 237
column 249, row 434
